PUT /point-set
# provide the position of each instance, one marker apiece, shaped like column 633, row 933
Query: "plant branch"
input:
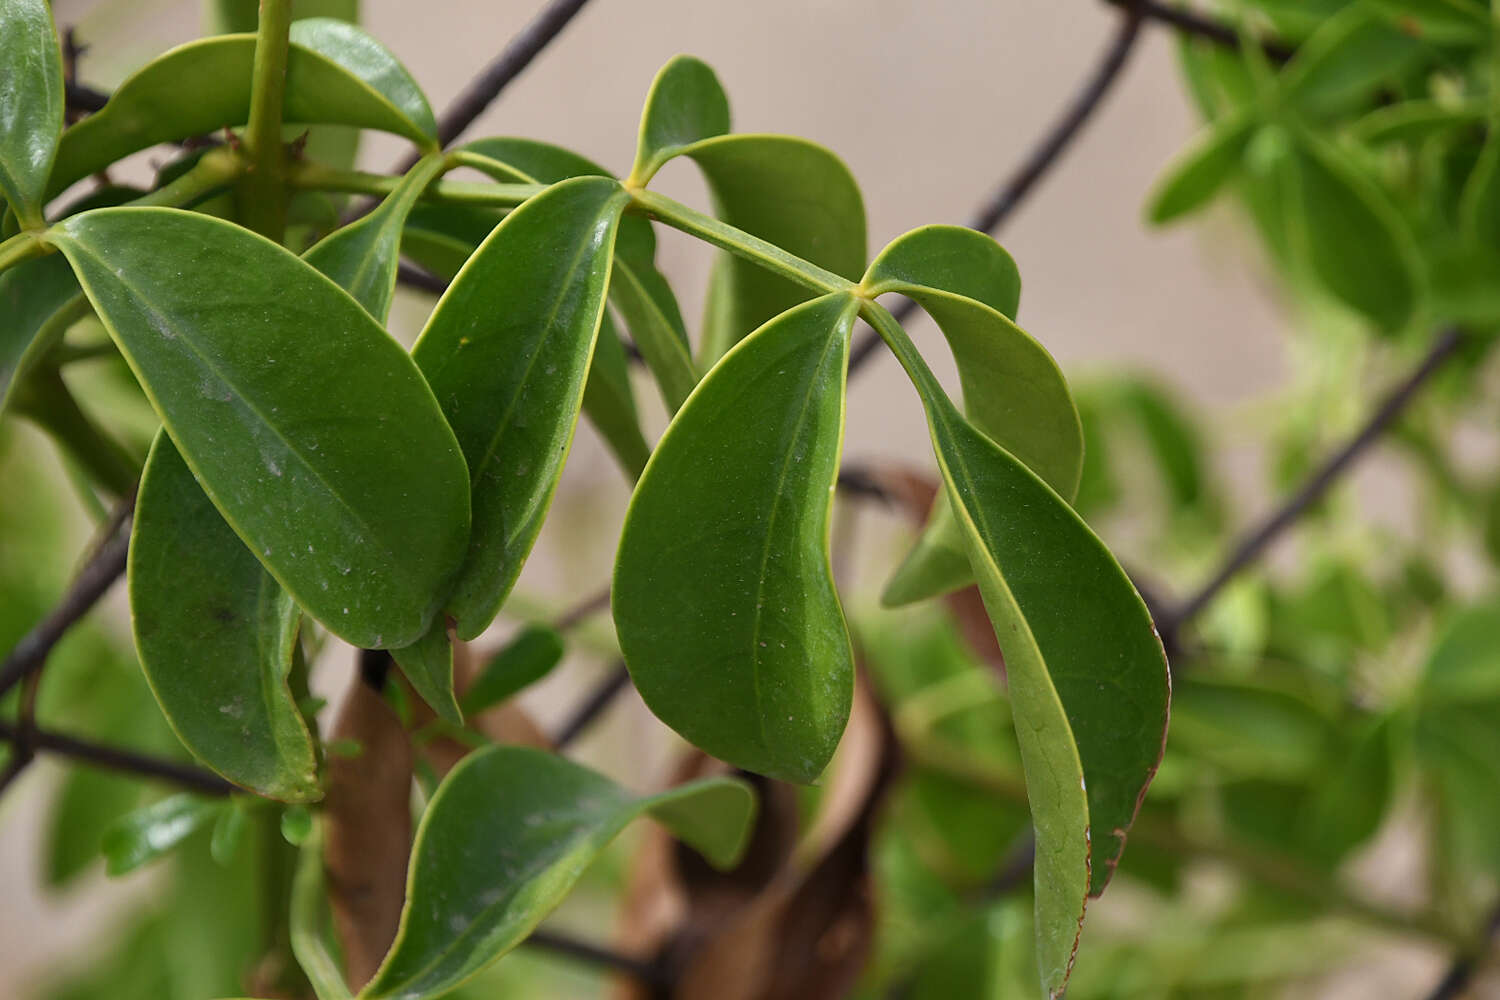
column 993, row 213
column 738, row 242
column 104, row 566
column 21, row 247
column 612, row 684
column 1189, row 22
column 118, row 759
column 1456, row 981
column 1254, row 544
column 316, row 176
column 512, row 60
column 262, row 194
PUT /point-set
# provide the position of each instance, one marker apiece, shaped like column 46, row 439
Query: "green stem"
column 320, row 177
column 21, row 247
column 739, row 242
column 215, row 170
column 262, row 194
column 502, row 172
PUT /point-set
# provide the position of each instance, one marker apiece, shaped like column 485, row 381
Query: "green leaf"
column 428, row 665
column 1410, row 121
column 504, row 839
column 506, row 351
column 31, row 104
column 152, row 831
column 1464, row 665
column 372, row 63
column 686, row 104
column 1013, row 389
column 215, row 635
column 637, row 287
column 229, row 831
column 204, row 86
column 327, row 454
column 1479, row 204
column 1087, row 676
column 1336, row 208
column 523, row 661
column 361, row 257
column 1201, row 171
column 792, row 193
column 39, row 299
column 1354, row 52
column 608, row 399
column 723, row 597
column 296, row 825
column 937, row 564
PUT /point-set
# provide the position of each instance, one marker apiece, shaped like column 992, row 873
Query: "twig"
column 583, row 610
column 564, row 945
column 85, row 99
column 515, row 57
column 993, row 213
column 419, row 278
column 1201, row 26
column 119, row 759
column 1254, row 544
column 104, row 566
column 1461, row 973
column 616, row 681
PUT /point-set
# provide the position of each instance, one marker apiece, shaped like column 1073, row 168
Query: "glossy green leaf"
column 504, row 839
column 523, row 661
column 38, row 300
column 686, row 104
column 792, row 193
column 608, row 398
column 441, row 236
column 723, row 597
column 327, row 454
column 637, row 288
column 204, row 86
column 345, row 45
column 1087, row 676
column 215, row 635
column 1336, row 208
column 506, row 351
column 152, row 831
column 1013, row 389
column 31, row 103
column 361, row 257
column 1349, row 56
column 428, row 665
column 1202, row 170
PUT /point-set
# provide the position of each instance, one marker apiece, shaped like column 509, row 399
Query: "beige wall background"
column 931, row 103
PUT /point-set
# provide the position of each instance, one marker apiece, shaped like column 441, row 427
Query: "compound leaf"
column 327, row 454
column 506, row 351
column 723, row 597
column 504, row 839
